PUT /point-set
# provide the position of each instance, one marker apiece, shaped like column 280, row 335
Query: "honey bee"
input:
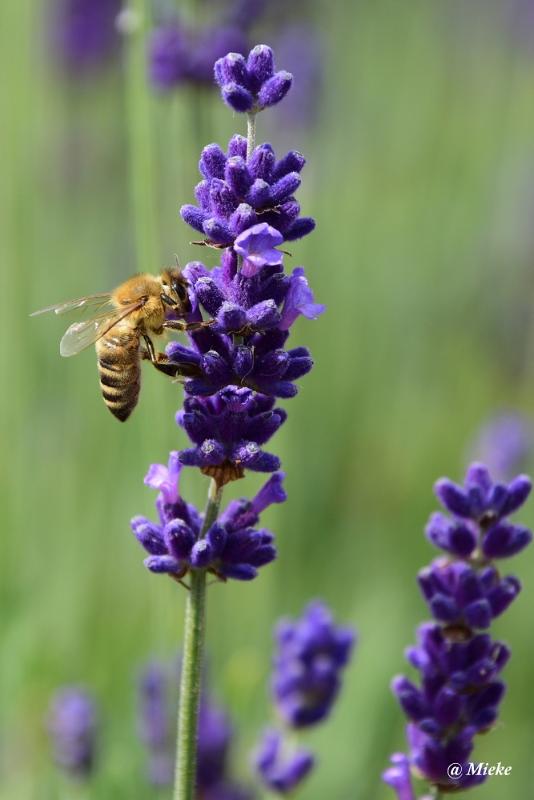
column 119, row 321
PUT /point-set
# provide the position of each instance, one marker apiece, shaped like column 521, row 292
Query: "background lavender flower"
column 458, row 661
column 83, row 33
column 158, row 690
column 310, row 657
column 179, row 54
column 73, row 728
column 154, row 723
column 281, row 767
column 504, row 443
column 399, row 778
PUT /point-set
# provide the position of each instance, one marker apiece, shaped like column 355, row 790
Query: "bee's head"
column 174, row 291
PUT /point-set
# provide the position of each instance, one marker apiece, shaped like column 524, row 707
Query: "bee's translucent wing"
column 83, row 334
column 94, row 303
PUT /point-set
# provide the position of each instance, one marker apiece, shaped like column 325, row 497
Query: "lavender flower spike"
column 459, row 663
column 73, row 727
column 234, row 368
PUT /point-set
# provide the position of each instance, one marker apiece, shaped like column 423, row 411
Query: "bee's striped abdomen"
column 119, row 371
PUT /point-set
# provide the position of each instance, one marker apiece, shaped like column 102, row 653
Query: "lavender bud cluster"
column 231, row 548
column 310, row 656
column 460, row 664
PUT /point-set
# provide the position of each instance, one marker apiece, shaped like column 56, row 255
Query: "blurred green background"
column 421, row 176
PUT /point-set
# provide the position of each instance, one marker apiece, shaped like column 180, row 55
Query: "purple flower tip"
column 398, row 777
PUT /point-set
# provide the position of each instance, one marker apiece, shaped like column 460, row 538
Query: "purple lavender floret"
column 261, row 364
column 232, row 546
column 251, row 84
column 311, row 655
column 459, row 663
column 73, row 726
column 399, row 778
column 237, row 194
column 154, row 723
column 281, row 768
column 84, row 34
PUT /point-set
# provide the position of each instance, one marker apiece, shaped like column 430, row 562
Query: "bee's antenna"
column 177, row 261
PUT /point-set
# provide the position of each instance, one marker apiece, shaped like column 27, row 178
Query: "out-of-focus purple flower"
column 311, row 654
column 83, row 33
column 178, row 54
column 398, row 777
column 154, row 723
column 158, row 692
column 231, row 548
column 169, row 56
column 73, row 727
column 281, row 768
column 505, row 444
column 251, row 84
column 237, row 193
column 257, row 246
column 459, row 663
column 214, row 740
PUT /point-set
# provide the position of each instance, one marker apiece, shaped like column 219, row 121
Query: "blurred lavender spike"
column 83, row 34
column 73, row 727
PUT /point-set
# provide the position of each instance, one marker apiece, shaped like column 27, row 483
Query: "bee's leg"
column 182, row 325
column 162, row 363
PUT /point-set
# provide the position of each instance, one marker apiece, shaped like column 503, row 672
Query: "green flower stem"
column 192, row 658
column 251, row 133
column 140, row 141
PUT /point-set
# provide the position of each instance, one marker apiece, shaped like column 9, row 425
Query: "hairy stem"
column 192, row 658
column 251, row 133
column 140, row 142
